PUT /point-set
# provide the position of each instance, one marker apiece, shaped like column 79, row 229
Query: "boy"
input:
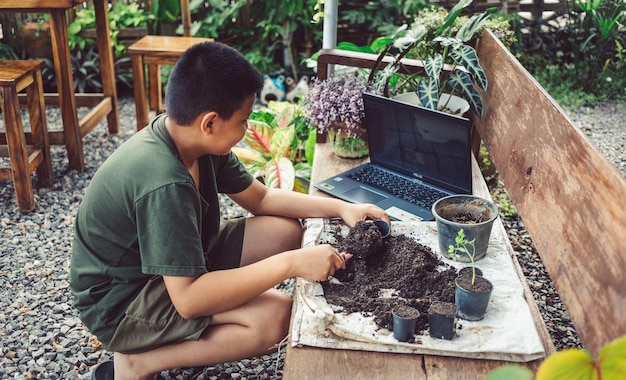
column 155, row 275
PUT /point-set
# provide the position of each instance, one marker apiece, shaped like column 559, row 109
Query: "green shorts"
column 151, row 320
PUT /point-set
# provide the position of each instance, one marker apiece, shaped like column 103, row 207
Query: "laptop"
column 417, row 156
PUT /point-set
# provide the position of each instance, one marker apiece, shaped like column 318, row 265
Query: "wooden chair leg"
column 39, row 129
column 18, row 155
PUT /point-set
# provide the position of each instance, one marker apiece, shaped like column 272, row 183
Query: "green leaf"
column 612, row 358
column 452, row 15
column 279, row 173
column 309, row 147
column 462, row 82
column 466, row 56
column 74, row 28
column 473, row 25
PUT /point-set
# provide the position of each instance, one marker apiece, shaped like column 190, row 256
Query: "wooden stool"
column 154, row 51
column 16, row 76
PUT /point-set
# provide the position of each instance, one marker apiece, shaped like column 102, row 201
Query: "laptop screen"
column 432, row 146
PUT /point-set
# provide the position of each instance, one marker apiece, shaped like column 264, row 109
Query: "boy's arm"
column 218, row 291
column 261, row 200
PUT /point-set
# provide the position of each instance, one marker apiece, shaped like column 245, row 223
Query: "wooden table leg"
column 65, row 84
column 139, row 88
column 107, row 69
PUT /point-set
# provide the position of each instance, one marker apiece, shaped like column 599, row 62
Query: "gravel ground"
column 41, row 334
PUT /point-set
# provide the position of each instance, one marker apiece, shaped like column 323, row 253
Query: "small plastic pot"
column 404, row 322
column 441, row 319
column 472, row 300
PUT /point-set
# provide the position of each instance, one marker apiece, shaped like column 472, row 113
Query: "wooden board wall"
column 570, row 197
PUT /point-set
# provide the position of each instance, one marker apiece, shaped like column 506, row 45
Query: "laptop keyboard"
column 402, row 188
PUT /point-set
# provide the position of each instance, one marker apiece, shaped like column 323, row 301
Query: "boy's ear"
column 206, row 121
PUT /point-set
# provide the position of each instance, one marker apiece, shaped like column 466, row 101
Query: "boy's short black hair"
column 210, row 76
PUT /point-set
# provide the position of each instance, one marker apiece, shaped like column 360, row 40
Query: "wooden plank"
column 568, row 195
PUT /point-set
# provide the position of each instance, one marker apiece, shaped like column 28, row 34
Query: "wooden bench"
column 569, row 198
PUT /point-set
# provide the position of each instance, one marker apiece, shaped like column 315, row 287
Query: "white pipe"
column 330, row 28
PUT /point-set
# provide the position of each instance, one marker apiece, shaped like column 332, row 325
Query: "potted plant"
column 335, row 106
column 471, row 293
column 448, row 43
column 278, row 147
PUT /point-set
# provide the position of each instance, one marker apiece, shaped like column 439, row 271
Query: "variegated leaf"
column 285, row 116
column 253, row 161
column 258, row 137
column 473, row 25
column 281, row 141
column 279, row 173
column 433, row 67
column 452, row 15
column 466, row 56
column 462, row 82
column 428, row 93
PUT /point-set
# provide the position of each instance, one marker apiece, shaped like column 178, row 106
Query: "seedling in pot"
column 464, row 246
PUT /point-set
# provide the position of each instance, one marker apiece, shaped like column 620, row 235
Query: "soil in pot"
column 472, row 212
column 467, row 271
column 400, row 272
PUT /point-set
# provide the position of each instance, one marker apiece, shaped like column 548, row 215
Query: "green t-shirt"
column 142, row 216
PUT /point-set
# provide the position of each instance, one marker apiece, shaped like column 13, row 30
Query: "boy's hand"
column 320, row 262
column 352, row 213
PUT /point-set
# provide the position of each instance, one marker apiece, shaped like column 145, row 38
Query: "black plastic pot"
column 472, row 300
column 404, row 322
column 450, row 210
column 441, row 319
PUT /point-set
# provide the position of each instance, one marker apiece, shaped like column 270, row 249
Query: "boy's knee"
column 295, row 232
column 280, row 316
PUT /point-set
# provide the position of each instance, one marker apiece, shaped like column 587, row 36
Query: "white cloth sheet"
column 506, row 333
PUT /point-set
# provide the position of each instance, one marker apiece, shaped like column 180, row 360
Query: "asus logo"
column 418, row 176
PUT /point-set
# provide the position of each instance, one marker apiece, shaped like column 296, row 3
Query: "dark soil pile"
column 399, row 263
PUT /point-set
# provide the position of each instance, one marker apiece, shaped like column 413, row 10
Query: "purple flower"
column 336, row 100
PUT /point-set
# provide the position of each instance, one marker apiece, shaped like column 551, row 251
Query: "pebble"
column 42, row 336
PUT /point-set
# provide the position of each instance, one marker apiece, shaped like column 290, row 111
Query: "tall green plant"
column 450, row 47
column 466, row 247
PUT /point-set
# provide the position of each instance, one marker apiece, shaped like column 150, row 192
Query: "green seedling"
column 464, row 246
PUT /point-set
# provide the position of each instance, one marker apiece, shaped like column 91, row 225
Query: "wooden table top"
column 322, row 363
